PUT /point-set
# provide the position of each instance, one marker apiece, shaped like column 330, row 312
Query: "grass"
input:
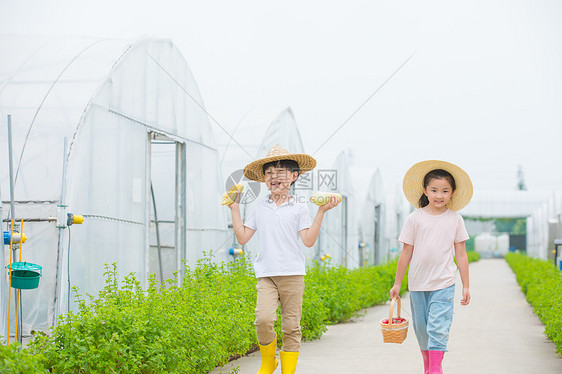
column 541, row 283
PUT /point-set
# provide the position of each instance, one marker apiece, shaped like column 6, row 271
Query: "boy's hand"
column 332, row 204
column 236, row 202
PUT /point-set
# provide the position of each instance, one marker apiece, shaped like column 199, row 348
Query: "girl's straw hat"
column 413, row 183
column 254, row 170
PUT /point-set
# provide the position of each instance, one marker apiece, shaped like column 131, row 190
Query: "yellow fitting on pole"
column 78, row 219
column 19, row 237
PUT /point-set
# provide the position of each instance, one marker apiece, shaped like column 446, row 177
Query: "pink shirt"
column 433, row 237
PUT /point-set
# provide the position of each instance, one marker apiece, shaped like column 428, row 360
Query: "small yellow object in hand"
column 230, row 196
column 323, row 198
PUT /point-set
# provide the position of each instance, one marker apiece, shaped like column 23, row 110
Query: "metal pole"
column 19, row 312
column 3, row 286
column 10, row 281
column 60, row 239
column 157, row 227
column 12, row 200
column 11, row 164
column 181, row 208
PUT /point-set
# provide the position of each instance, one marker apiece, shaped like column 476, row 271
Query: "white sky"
column 483, row 90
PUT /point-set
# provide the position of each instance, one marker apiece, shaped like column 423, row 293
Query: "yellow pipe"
column 10, row 282
column 19, row 291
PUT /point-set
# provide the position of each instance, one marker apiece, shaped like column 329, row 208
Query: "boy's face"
column 278, row 180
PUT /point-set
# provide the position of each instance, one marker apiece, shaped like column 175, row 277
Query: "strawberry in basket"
column 395, row 320
column 396, row 331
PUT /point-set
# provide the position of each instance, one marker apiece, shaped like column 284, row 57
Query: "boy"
column 280, row 265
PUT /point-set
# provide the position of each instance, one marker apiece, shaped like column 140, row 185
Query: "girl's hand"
column 465, row 296
column 395, row 291
column 332, row 204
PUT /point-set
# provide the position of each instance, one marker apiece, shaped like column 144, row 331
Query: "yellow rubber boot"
column 268, row 361
column 288, row 362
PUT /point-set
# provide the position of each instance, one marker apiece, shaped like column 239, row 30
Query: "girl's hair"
column 435, row 174
column 290, row 165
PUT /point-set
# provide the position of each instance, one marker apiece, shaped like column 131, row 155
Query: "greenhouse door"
column 167, row 240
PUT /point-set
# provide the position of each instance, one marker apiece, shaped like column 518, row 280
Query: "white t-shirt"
column 278, row 229
column 433, row 237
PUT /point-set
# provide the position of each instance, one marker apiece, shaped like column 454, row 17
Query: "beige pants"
column 287, row 291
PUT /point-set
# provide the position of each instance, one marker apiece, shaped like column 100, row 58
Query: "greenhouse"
column 114, row 131
column 373, row 225
column 340, row 238
column 396, row 220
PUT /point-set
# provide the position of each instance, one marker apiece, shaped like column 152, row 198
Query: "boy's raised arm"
column 243, row 233
column 309, row 236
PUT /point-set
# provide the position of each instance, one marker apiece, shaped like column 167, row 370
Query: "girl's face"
column 278, row 180
column 439, row 193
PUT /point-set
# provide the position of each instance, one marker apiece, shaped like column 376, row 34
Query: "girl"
column 438, row 189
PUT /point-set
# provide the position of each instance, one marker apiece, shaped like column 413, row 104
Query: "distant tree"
column 514, row 226
column 504, row 224
column 520, row 227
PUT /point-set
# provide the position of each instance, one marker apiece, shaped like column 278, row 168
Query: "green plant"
column 194, row 327
column 473, row 256
column 345, row 292
column 15, row 360
column 187, row 329
column 541, row 282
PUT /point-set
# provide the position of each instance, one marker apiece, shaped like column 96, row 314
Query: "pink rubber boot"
column 425, row 355
column 435, row 359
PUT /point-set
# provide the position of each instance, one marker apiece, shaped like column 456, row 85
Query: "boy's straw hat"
column 254, row 170
column 413, row 183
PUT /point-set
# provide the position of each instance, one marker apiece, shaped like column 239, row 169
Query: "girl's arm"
column 403, row 262
column 310, row 235
column 462, row 263
column 243, row 233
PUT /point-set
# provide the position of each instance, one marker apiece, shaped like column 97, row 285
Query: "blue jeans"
column 432, row 314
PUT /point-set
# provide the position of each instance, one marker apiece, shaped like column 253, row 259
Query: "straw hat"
column 413, row 183
column 254, row 170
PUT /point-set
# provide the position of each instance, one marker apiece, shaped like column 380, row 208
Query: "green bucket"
column 25, row 275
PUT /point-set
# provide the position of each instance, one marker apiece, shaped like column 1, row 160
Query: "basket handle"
column 392, row 309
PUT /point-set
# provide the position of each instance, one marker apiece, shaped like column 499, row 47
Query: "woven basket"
column 397, row 332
